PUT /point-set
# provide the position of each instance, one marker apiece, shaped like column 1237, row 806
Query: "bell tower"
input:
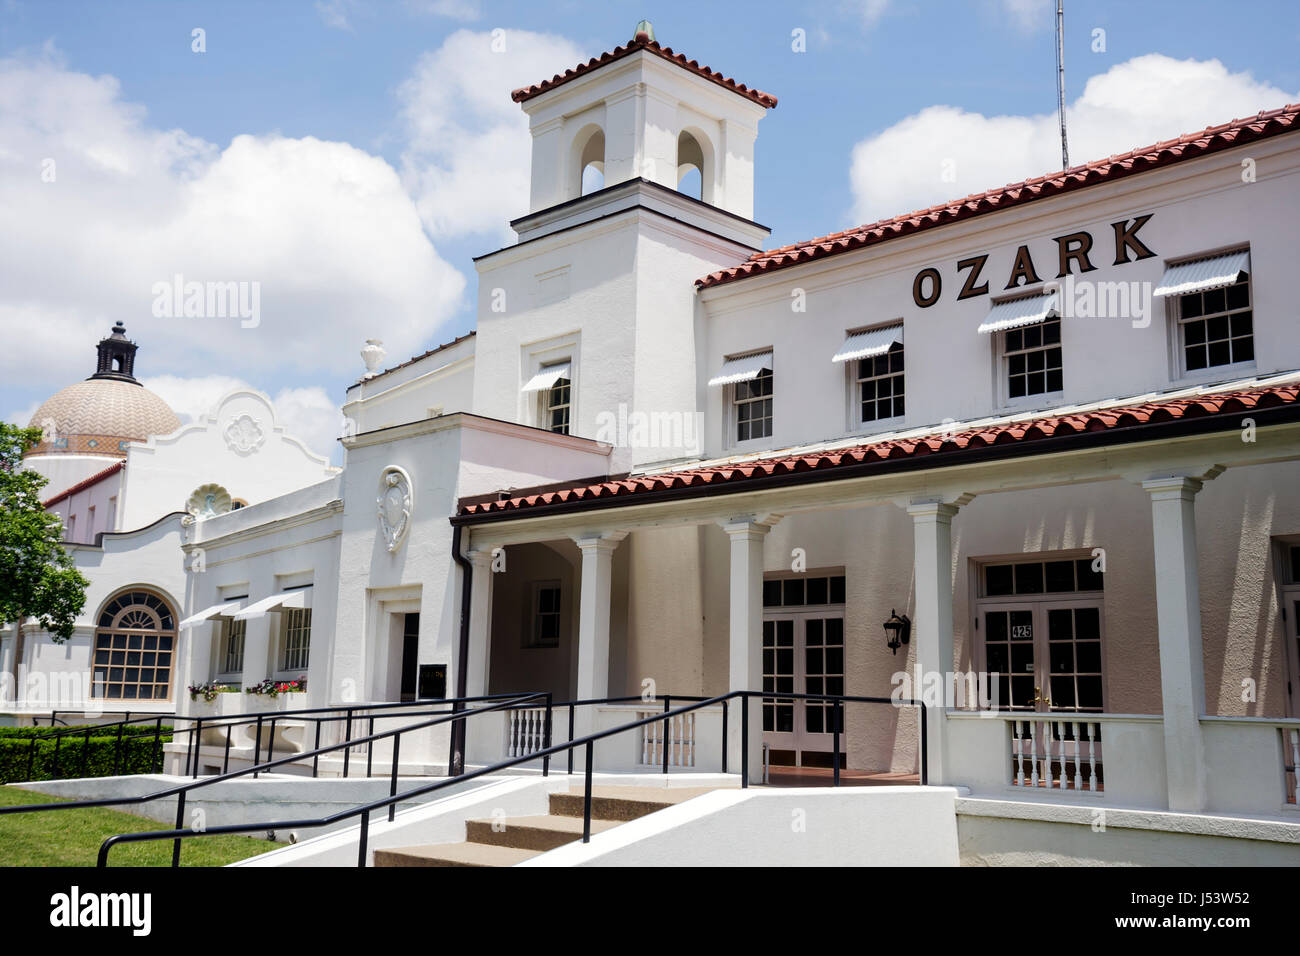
column 644, row 112
column 588, row 324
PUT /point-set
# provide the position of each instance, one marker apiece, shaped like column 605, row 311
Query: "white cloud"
column 868, row 12
column 1030, row 15
column 944, row 152
column 325, row 229
column 468, row 155
column 336, row 13
column 453, row 9
column 308, row 414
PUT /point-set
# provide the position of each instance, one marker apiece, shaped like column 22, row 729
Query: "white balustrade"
column 1052, row 752
column 680, row 742
column 526, row 733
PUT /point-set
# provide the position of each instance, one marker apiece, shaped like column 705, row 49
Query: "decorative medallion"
column 244, row 434
column 394, row 505
column 208, row 501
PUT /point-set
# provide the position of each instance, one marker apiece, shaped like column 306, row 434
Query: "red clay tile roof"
column 1210, row 140
column 650, row 46
column 1230, row 403
column 82, row 485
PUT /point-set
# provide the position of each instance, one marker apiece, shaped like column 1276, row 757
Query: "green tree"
column 37, row 577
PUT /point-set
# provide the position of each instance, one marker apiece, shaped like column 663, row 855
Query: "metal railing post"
column 257, row 745
column 571, row 705
column 667, row 730
column 315, row 760
column 392, row 785
column 744, row 739
column 726, row 709
column 189, row 746
column 925, row 762
column 225, row 759
column 546, row 738
column 835, row 760
column 586, row 796
column 370, row 748
column 270, row 741
column 157, row 744
column 180, row 822
column 196, row 734
column 347, row 738
column 365, row 836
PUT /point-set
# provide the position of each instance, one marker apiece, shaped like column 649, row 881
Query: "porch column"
column 593, row 623
column 479, row 653
column 932, row 559
column 746, row 627
column 1178, row 617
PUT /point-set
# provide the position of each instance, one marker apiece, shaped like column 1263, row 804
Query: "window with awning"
column 547, row 377
column 869, row 344
column 1020, row 312
column 1202, row 275
column 743, row 368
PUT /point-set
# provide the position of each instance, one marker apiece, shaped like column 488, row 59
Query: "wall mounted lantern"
column 898, row 630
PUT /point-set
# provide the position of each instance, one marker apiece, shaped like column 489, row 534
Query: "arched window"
column 135, row 643
column 690, row 166
column 589, row 149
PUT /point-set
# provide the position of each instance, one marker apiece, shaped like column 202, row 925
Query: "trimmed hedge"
column 78, row 757
column 131, row 730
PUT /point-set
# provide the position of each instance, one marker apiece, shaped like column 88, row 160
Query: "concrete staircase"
column 505, row 842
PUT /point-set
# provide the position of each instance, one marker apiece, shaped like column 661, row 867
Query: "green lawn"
column 72, row 838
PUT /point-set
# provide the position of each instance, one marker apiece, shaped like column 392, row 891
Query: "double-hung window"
column 552, row 387
column 747, row 381
column 1028, row 337
column 297, row 638
column 1210, row 312
column 875, row 359
column 232, row 651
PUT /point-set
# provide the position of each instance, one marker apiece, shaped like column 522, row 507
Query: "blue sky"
column 310, row 147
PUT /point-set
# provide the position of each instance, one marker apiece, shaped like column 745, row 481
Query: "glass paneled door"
column 803, row 653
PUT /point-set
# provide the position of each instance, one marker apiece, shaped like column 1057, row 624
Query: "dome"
column 100, row 415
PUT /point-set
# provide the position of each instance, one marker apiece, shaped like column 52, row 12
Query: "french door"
column 803, row 653
column 1047, row 654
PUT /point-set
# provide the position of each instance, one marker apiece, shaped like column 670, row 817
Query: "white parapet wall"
column 1042, row 833
column 847, row 826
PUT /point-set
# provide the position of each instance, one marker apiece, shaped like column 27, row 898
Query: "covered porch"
column 1094, row 606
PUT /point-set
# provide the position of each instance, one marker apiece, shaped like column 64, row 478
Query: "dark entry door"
column 410, row 654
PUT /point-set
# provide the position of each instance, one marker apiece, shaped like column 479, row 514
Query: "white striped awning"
column 1202, row 274
column 216, row 612
column 1015, row 313
column 873, row 342
column 547, row 377
column 743, row 369
column 276, row 602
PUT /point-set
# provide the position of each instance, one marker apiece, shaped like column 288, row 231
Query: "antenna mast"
column 1060, row 79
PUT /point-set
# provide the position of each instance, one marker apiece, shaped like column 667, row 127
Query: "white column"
column 746, row 627
column 1178, row 617
column 593, row 623
column 479, row 652
column 932, row 630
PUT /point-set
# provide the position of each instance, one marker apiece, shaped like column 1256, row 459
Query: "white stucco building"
column 1055, row 426
column 129, row 481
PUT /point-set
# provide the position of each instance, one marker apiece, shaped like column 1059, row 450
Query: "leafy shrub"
column 77, row 756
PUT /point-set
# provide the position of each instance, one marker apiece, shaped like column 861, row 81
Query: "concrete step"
column 533, row 833
column 621, row 803
column 454, row 854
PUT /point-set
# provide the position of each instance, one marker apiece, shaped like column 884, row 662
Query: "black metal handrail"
column 390, row 802
column 181, row 791
column 193, row 733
